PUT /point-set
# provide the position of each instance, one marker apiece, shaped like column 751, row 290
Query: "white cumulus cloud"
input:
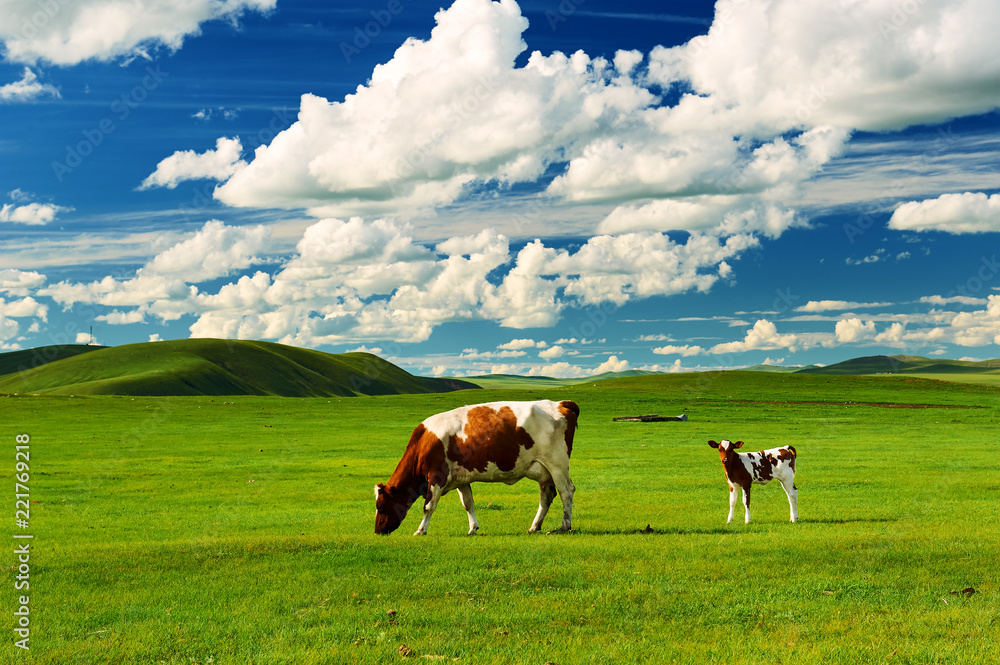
column 24, row 211
column 28, row 89
column 679, row 350
column 763, row 336
column 213, row 251
column 68, row 33
column 554, row 351
column 954, row 213
column 833, row 305
column 20, row 282
column 522, row 343
column 217, row 164
column 612, row 364
column 854, row 330
column 948, row 300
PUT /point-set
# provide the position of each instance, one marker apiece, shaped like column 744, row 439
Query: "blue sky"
column 556, row 188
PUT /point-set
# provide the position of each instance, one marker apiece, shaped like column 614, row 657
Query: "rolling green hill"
column 984, row 371
column 219, row 367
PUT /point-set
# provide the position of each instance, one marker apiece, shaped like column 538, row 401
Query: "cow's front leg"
column 733, row 496
column 465, row 494
column 746, row 503
column 429, row 506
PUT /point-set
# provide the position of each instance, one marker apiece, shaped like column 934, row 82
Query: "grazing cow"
column 745, row 469
column 497, row 442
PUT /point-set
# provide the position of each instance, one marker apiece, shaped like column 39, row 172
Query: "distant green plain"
column 218, row 530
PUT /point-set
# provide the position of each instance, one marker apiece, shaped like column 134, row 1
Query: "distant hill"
column 778, row 369
column 985, row 371
column 524, row 382
column 19, row 361
column 215, row 367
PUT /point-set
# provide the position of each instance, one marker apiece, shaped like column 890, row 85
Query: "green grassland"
column 208, row 367
column 239, row 530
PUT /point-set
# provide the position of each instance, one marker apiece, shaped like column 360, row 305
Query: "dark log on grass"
column 650, row 418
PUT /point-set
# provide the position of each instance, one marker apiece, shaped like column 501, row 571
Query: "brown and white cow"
column 496, row 442
column 760, row 468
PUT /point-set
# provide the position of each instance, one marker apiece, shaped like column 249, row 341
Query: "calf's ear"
column 714, row 444
column 738, row 444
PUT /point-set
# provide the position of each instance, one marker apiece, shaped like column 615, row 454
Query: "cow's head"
column 726, row 447
column 390, row 510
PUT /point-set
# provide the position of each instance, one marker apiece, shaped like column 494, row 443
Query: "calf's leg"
column 733, row 496
column 746, row 503
column 793, row 498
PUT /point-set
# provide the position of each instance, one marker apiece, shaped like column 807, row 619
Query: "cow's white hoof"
column 418, row 532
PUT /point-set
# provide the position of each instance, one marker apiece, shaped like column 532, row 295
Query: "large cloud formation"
column 762, row 102
column 355, row 281
column 713, row 137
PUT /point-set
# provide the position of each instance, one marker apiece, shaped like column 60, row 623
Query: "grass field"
column 239, row 530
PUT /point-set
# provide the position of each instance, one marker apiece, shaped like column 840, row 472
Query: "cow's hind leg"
column 546, row 493
column 429, row 507
column 566, row 488
column 465, row 494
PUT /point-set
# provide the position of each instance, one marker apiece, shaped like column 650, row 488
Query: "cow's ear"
column 738, row 444
column 379, row 489
column 714, row 444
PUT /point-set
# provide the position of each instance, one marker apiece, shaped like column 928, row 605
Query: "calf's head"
column 726, row 448
column 390, row 509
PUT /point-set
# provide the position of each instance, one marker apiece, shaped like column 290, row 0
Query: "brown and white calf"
column 760, row 468
column 496, row 442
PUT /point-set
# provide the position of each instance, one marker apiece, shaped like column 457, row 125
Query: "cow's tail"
column 571, row 412
column 570, row 406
